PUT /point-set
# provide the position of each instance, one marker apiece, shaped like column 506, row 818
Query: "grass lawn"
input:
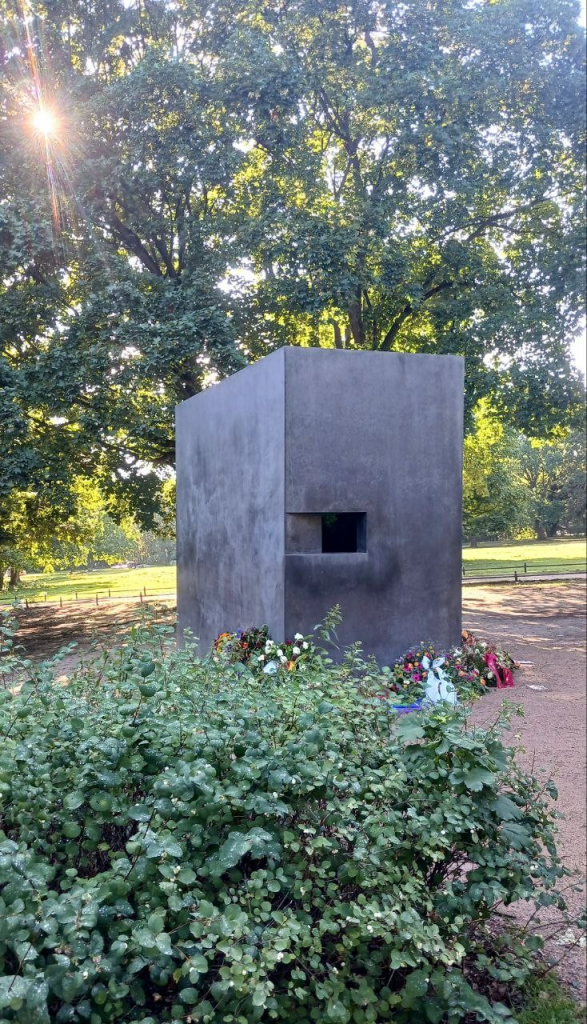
column 551, row 555
column 547, row 1003
column 160, row 579
column 157, row 579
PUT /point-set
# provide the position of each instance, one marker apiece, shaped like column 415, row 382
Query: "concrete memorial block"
column 318, row 477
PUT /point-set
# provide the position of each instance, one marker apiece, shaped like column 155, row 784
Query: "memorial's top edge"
column 302, row 353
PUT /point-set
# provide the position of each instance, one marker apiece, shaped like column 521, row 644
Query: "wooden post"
column 516, row 575
column 61, row 602
column 96, row 599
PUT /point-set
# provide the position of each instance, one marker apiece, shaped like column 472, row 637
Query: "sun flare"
column 45, row 122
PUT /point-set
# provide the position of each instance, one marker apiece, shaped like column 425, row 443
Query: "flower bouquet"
column 424, row 673
column 255, row 648
column 241, row 646
column 494, row 666
column 286, row 656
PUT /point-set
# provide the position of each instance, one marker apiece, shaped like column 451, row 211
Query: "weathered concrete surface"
column 230, row 486
column 309, row 431
column 379, row 433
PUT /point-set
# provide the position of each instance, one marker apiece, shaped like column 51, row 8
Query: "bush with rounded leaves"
column 182, row 842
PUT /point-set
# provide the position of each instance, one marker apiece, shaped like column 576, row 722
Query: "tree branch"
column 164, row 253
column 134, row 244
column 338, row 343
column 406, row 312
column 494, row 219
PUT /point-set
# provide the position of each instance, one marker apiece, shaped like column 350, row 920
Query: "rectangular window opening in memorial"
column 328, row 533
column 344, row 532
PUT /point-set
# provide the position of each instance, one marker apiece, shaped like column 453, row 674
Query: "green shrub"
column 183, row 842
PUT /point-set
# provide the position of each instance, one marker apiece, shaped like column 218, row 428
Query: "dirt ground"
column 543, row 624
column 44, row 630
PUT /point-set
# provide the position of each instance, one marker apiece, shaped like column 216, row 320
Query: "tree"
column 496, row 499
column 514, row 484
column 42, row 527
column 555, row 472
column 372, row 175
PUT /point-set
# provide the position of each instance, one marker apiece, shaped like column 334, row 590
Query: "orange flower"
column 290, row 665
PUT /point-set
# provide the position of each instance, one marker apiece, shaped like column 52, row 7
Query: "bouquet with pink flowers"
column 495, row 666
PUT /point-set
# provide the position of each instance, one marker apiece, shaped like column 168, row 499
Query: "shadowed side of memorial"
column 230, row 493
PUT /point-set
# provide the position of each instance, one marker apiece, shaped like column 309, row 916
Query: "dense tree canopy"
column 517, row 486
column 223, row 179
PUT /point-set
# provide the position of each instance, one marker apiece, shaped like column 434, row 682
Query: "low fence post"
column 516, row 575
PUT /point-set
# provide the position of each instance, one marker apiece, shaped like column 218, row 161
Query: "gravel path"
column 545, row 625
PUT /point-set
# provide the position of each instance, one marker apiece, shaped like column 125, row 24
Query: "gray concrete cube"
column 317, row 477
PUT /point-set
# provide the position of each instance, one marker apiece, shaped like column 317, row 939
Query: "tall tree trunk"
column 1, row 577
column 356, row 323
column 540, row 531
column 14, row 578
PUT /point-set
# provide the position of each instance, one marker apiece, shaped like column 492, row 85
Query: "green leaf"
column 140, row 812
column 506, row 809
column 73, row 800
column 518, row 835
column 259, row 995
column 71, row 829
column 189, row 996
column 102, row 802
column 477, row 778
column 408, row 729
column 156, row 923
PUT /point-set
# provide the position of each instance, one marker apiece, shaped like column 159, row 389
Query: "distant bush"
column 182, row 841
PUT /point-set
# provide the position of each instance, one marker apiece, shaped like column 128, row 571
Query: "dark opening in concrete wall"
column 344, row 532
column 328, row 533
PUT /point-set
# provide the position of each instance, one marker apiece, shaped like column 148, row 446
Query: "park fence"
column 518, row 571
column 98, row 598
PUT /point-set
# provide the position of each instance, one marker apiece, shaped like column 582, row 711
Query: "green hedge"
column 181, row 842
